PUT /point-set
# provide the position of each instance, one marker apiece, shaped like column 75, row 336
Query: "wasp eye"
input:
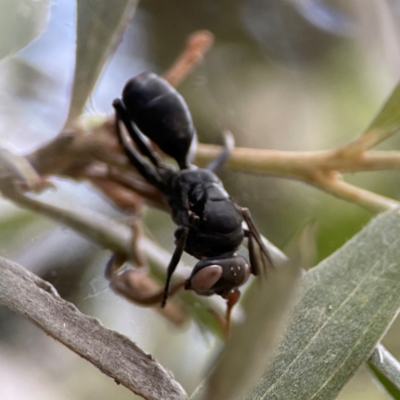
column 206, row 278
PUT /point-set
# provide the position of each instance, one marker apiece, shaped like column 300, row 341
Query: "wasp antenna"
column 229, row 144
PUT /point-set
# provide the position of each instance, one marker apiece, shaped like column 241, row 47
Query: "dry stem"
column 197, row 46
column 319, row 168
column 114, row 354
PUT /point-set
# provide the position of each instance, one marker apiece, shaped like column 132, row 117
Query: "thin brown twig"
column 313, row 167
column 371, row 201
column 367, row 161
column 197, row 45
column 319, row 168
column 299, row 163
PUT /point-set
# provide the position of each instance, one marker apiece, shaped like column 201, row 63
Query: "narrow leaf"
column 113, row 353
column 384, row 124
column 386, row 369
column 20, row 23
column 388, row 119
column 100, row 26
column 346, row 304
column 252, row 344
column 387, row 385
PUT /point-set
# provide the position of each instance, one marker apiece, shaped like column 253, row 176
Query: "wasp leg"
column 137, row 254
column 134, row 284
column 180, row 246
column 253, row 232
column 113, row 265
column 144, row 148
column 219, row 161
column 137, row 160
column 253, row 256
column 231, row 300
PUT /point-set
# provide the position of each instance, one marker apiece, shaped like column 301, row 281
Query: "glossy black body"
column 199, row 201
column 210, row 224
column 155, row 106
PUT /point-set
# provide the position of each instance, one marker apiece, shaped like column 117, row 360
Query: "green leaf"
column 346, row 304
column 386, row 383
column 20, row 23
column 387, row 121
column 100, row 26
column 251, row 346
column 386, row 369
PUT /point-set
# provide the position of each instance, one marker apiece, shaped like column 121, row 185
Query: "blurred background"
column 289, row 75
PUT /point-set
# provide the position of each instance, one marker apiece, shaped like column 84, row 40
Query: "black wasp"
column 210, row 223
